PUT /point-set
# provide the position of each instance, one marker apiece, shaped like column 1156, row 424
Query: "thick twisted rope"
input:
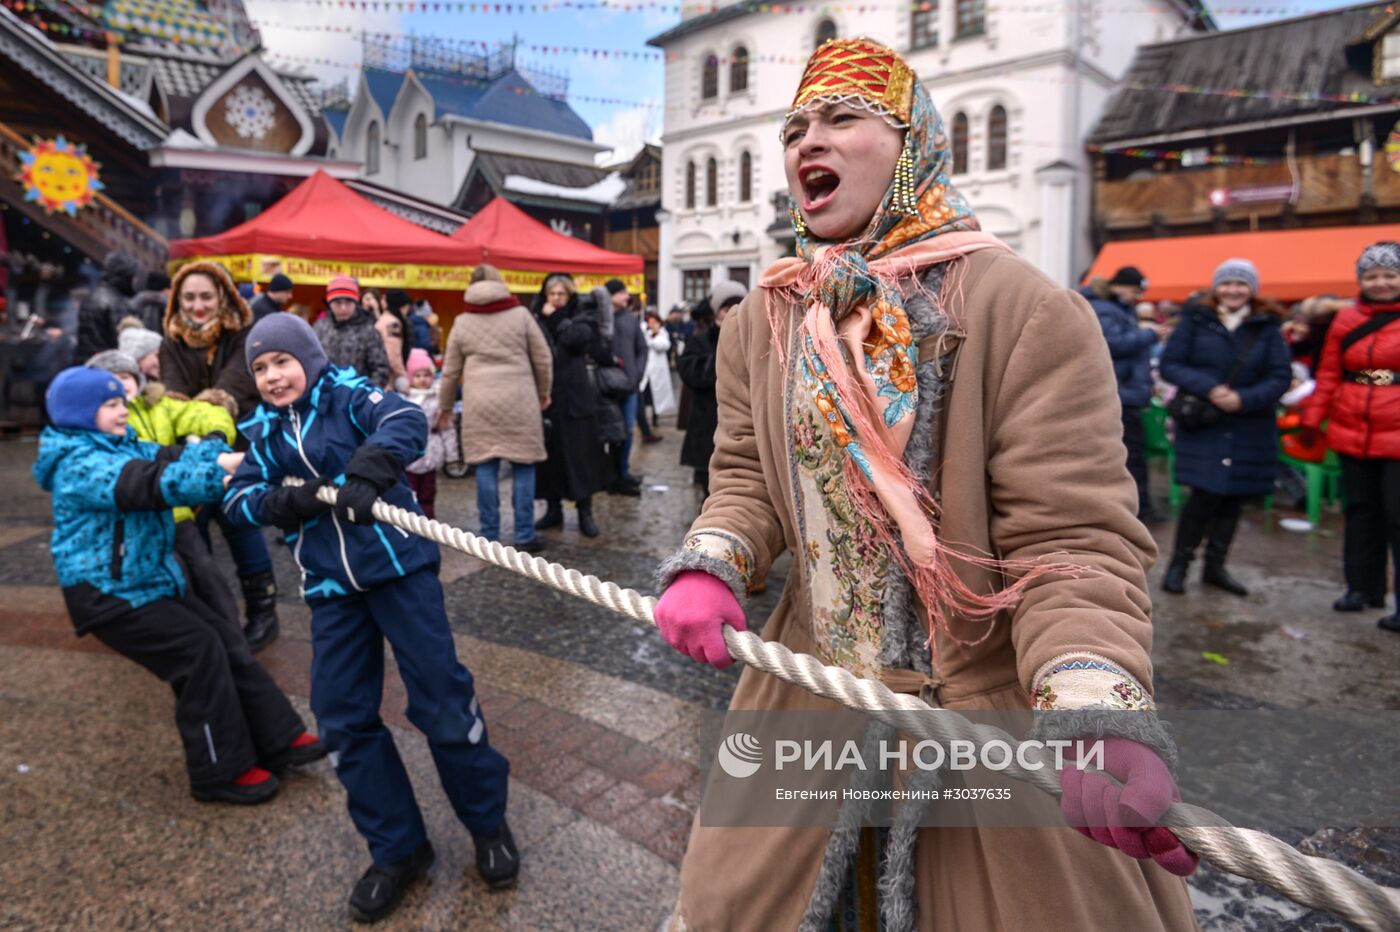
column 1314, row 882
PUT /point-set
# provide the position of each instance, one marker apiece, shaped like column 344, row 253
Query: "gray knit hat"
column 136, row 341
column 1237, row 270
column 1382, row 255
column 287, row 333
column 118, row 363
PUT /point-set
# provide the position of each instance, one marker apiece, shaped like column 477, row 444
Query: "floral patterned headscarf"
column 856, row 350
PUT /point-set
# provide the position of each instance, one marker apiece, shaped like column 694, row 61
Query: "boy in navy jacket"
column 113, row 548
column 366, row 582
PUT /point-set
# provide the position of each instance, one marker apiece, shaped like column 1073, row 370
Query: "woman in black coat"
column 1229, row 351
column 697, row 371
column 577, row 466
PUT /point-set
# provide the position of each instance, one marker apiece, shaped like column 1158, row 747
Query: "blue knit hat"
column 287, row 333
column 75, row 395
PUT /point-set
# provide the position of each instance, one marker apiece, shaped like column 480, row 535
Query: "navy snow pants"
column 347, row 679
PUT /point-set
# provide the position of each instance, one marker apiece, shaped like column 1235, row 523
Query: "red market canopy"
column 323, row 219
column 1293, row 264
column 508, row 238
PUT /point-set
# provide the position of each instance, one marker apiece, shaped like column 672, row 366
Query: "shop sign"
column 260, row 267
column 1259, row 194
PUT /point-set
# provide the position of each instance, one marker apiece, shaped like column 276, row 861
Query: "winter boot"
column 379, row 891
column 260, row 605
column 305, row 749
column 1174, row 579
column 553, row 516
column 497, row 859
column 1353, row 601
column 249, row 788
column 586, row 525
column 1218, row 537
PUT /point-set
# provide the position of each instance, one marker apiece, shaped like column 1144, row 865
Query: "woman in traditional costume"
column 931, row 426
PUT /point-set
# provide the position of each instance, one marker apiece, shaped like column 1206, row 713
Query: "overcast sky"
column 623, row 125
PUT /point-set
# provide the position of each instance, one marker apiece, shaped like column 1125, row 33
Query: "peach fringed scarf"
column 857, row 393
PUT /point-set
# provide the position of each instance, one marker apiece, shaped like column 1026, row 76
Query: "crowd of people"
column 1225, row 365
column 191, row 404
column 821, row 415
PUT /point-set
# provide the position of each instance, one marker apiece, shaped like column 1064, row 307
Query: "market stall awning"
column 321, row 229
column 1293, row 264
column 513, row 241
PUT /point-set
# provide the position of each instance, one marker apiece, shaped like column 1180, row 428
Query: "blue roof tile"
column 511, row 99
column 336, row 120
column 508, row 99
column 383, row 87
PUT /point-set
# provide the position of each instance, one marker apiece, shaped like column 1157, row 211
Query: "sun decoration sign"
column 1392, row 148
column 59, row 175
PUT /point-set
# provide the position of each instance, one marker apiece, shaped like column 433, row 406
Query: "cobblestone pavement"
column 599, row 717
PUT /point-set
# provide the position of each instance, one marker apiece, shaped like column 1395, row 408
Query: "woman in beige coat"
column 903, row 399
column 498, row 355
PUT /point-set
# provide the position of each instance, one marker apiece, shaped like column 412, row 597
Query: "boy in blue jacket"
column 113, row 549
column 366, row 582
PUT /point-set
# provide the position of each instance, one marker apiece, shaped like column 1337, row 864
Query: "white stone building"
column 1018, row 87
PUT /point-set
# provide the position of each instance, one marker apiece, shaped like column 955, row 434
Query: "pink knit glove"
column 691, row 614
column 1125, row 817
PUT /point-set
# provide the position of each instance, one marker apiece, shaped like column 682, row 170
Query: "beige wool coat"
column 500, row 357
column 1031, row 465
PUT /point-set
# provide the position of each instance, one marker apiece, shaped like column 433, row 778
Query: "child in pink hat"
column 422, row 472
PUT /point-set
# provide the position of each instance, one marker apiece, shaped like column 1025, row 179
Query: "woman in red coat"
column 1358, row 394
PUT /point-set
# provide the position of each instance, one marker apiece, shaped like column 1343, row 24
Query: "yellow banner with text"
column 259, row 267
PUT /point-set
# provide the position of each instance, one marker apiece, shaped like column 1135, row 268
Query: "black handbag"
column 1191, row 411
column 613, row 382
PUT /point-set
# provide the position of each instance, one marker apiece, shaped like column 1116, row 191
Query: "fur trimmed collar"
column 234, row 313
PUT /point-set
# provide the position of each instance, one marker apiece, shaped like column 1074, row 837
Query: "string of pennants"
column 696, row 9
column 1355, row 98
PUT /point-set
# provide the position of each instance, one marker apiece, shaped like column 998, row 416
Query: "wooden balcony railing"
column 1325, row 184
column 104, row 226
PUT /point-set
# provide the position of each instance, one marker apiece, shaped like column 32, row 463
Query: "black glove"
column 287, row 507
column 371, row 472
column 354, row 502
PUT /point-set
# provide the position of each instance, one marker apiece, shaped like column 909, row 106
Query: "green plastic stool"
column 1159, row 447
column 1324, row 482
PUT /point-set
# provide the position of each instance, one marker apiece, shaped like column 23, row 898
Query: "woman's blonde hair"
column 487, row 273
column 564, row 281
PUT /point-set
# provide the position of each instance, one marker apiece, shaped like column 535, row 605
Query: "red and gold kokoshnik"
column 845, row 68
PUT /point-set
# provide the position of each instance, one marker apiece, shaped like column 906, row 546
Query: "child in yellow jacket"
column 158, row 417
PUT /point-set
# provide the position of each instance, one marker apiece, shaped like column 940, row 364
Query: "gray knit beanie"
column 1237, row 270
column 287, row 333
column 118, row 363
column 1382, row 255
column 136, row 341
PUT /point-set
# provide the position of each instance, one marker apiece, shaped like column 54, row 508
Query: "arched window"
column 745, row 178
column 959, row 143
column 738, row 70
column 826, row 29
column 711, row 182
column 690, row 185
column 420, row 137
column 709, row 78
column 996, row 138
column 372, row 149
